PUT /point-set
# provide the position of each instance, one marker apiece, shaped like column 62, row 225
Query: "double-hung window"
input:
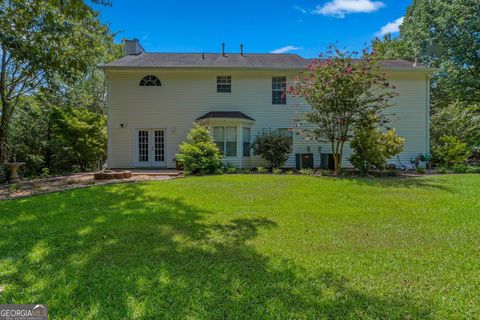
column 224, row 84
column 226, row 140
column 279, row 88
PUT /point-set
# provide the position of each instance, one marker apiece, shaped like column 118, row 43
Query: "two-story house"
column 153, row 99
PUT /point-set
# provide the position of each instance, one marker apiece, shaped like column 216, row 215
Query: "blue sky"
column 305, row 27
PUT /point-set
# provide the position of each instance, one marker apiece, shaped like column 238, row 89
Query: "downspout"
column 427, row 115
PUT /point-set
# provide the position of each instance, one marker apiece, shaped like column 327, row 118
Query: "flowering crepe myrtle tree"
column 342, row 92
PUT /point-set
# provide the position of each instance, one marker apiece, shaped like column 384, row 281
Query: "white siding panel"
column 187, row 95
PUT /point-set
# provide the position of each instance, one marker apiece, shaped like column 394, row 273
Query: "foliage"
column 442, row 170
column 459, row 120
column 277, row 171
column 199, row 154
column 420, row 170
column 392, row 48
column 307, row 172
column 450, row 151
column 324, row 172
column 443, row 34
column 342, row 92
column 32, row 139
column 261, row 170
column 273, row 147
column 83, row 135
column 42, row 42
column 229, row 168
column 45, row 173
column 371, row 148
column 462, row 168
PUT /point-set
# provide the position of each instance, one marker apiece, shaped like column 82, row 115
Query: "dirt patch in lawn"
column 32, row 187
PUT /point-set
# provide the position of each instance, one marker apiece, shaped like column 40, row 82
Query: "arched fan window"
column 150, row 81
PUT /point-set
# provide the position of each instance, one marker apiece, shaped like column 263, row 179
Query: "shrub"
column 273, row 147
column 229, row 168
column 420, row 170
column 290, row 172
column 277, row 171
column 442, row 170
column 472, row 169
column 372, row 148
column 391, row 173
column 461, row 168
column 45, row 173
column 261, row 170
column 307, row 172
column 246, row 170
column 451, row 151
column 199, row 154
column 324, row 172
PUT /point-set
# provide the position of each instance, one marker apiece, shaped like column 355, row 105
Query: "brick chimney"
column 132, row 47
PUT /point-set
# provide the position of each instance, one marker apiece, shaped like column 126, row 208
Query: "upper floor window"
column 150, row 81
column 279, row 87
column 224, row 83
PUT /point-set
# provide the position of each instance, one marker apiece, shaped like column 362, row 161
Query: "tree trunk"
column 3, row 147
column 48, row 151
column 5, row 109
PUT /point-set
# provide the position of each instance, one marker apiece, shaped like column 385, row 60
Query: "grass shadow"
column 124, row 252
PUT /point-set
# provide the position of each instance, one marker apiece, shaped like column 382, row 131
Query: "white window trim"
column 149, row 87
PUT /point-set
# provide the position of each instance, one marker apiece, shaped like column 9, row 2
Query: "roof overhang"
column 225, row 116
column 209, row 68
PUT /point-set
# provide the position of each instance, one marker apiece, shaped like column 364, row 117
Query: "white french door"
column 150, row 148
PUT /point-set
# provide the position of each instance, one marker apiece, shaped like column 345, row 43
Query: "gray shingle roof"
column 231, row 60
column 225, row 114
column 215, row 60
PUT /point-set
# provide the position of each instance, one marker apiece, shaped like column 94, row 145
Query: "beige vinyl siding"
column 188, row 94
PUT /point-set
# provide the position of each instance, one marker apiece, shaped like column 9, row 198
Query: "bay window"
column 226, row 140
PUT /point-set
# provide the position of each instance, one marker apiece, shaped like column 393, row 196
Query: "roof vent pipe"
column 223, row 49
column 241, row 49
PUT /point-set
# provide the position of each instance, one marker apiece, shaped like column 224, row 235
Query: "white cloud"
column 391, row 27
column 339, row 8
column 298, row 8
column 285, row 49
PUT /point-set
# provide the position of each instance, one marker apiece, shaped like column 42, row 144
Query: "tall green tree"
column 41, row 43
column 342, row 92
column 82, row 133
column 443, row 34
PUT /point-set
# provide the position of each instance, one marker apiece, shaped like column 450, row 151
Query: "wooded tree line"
column 444, row 34
column 53, row 97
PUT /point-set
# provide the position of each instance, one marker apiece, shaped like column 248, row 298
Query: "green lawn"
column 248, row 246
